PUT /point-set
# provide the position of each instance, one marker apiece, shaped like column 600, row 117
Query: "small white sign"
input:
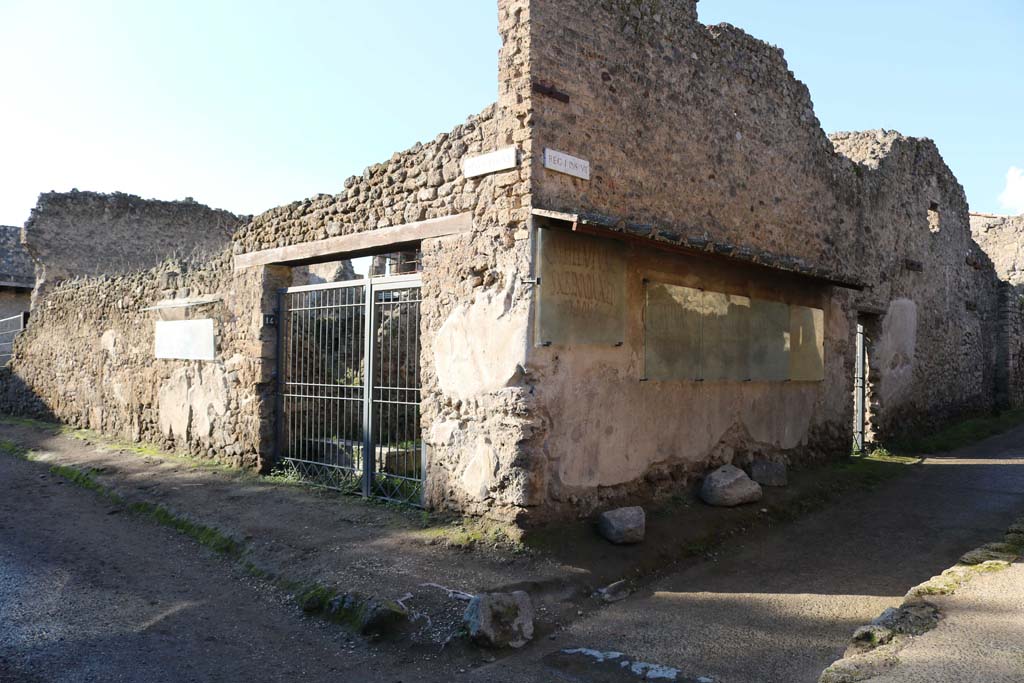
column 565, row 163
column 185, row 339
column 493, row 162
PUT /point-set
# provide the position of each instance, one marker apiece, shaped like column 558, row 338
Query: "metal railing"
column 10, row 328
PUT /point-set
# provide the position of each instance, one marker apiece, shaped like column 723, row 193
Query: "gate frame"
column 371, row 286
column 860, row 382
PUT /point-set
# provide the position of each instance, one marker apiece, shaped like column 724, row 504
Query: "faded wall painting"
column 693, row 334
column 582, row 292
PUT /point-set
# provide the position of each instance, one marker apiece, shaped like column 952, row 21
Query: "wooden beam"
column 357, row 244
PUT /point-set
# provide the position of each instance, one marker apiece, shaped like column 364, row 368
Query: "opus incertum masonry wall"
column 644, row 260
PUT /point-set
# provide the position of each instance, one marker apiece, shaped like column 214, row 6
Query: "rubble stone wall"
column 87, row 359
column 474, row 299
column 74, row 234
column 932, row 307
column 16, row 266
column 1002, row 238
column 695, row 134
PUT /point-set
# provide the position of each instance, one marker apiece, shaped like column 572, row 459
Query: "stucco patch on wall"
column 895, row 351
column 175, row 411
column 481, row 345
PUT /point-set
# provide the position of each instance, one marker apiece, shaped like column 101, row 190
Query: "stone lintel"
column 357, row 244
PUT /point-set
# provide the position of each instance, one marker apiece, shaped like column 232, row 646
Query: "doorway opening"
column 863, row 435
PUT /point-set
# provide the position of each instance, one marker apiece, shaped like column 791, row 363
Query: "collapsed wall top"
column 74, row 234
column 16, row 267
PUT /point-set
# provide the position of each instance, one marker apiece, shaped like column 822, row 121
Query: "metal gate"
column 10, row 328
column 859, row 392
column 349, row 387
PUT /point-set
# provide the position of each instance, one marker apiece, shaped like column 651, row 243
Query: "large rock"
column 729, row 486
column 769, row 473
column 623, row 525
column 500, row 619
column 380, row 617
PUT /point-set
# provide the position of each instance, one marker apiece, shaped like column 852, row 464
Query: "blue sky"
column 247, row 105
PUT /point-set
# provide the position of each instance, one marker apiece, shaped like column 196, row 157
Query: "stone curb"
column 874, row 648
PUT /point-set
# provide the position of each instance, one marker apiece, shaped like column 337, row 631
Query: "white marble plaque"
column 565, row 163
column 493, row 162
column 185, row 339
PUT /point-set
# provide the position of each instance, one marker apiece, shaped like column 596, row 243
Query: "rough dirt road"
column 88, row 593
column 781, row 606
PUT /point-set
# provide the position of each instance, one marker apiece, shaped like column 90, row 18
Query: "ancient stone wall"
column 932, row 304
column 87, row 359
column 423, row 182
column 695, row 135
column 16, row 266
column 17, row 273
column 699, row 138
column 475, row 302
column 74, row 234
column 614, row 435
column 1002, row 239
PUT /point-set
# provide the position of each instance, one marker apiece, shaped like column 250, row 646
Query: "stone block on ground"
column 614, row 592
column 729, row 486
column 500, row 619
column 769, row 473
column 380, row 617
column 623, row 525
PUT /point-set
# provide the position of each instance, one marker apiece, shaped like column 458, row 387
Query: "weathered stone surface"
column 507, row 431
column 1004, row 552
column 86, row 358
column 615, row 592
column 729, row 486
column 78, row 234
column 500, row 619
column 769, row 472
column 914, row 617
column 623, row 525
column 381, row 617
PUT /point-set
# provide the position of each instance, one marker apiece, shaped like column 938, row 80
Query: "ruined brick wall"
column 75, row 234
column 932, row 301
column 696, row 135
column 87, row 359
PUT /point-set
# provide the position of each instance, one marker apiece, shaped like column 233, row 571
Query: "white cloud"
column 1012, row 198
